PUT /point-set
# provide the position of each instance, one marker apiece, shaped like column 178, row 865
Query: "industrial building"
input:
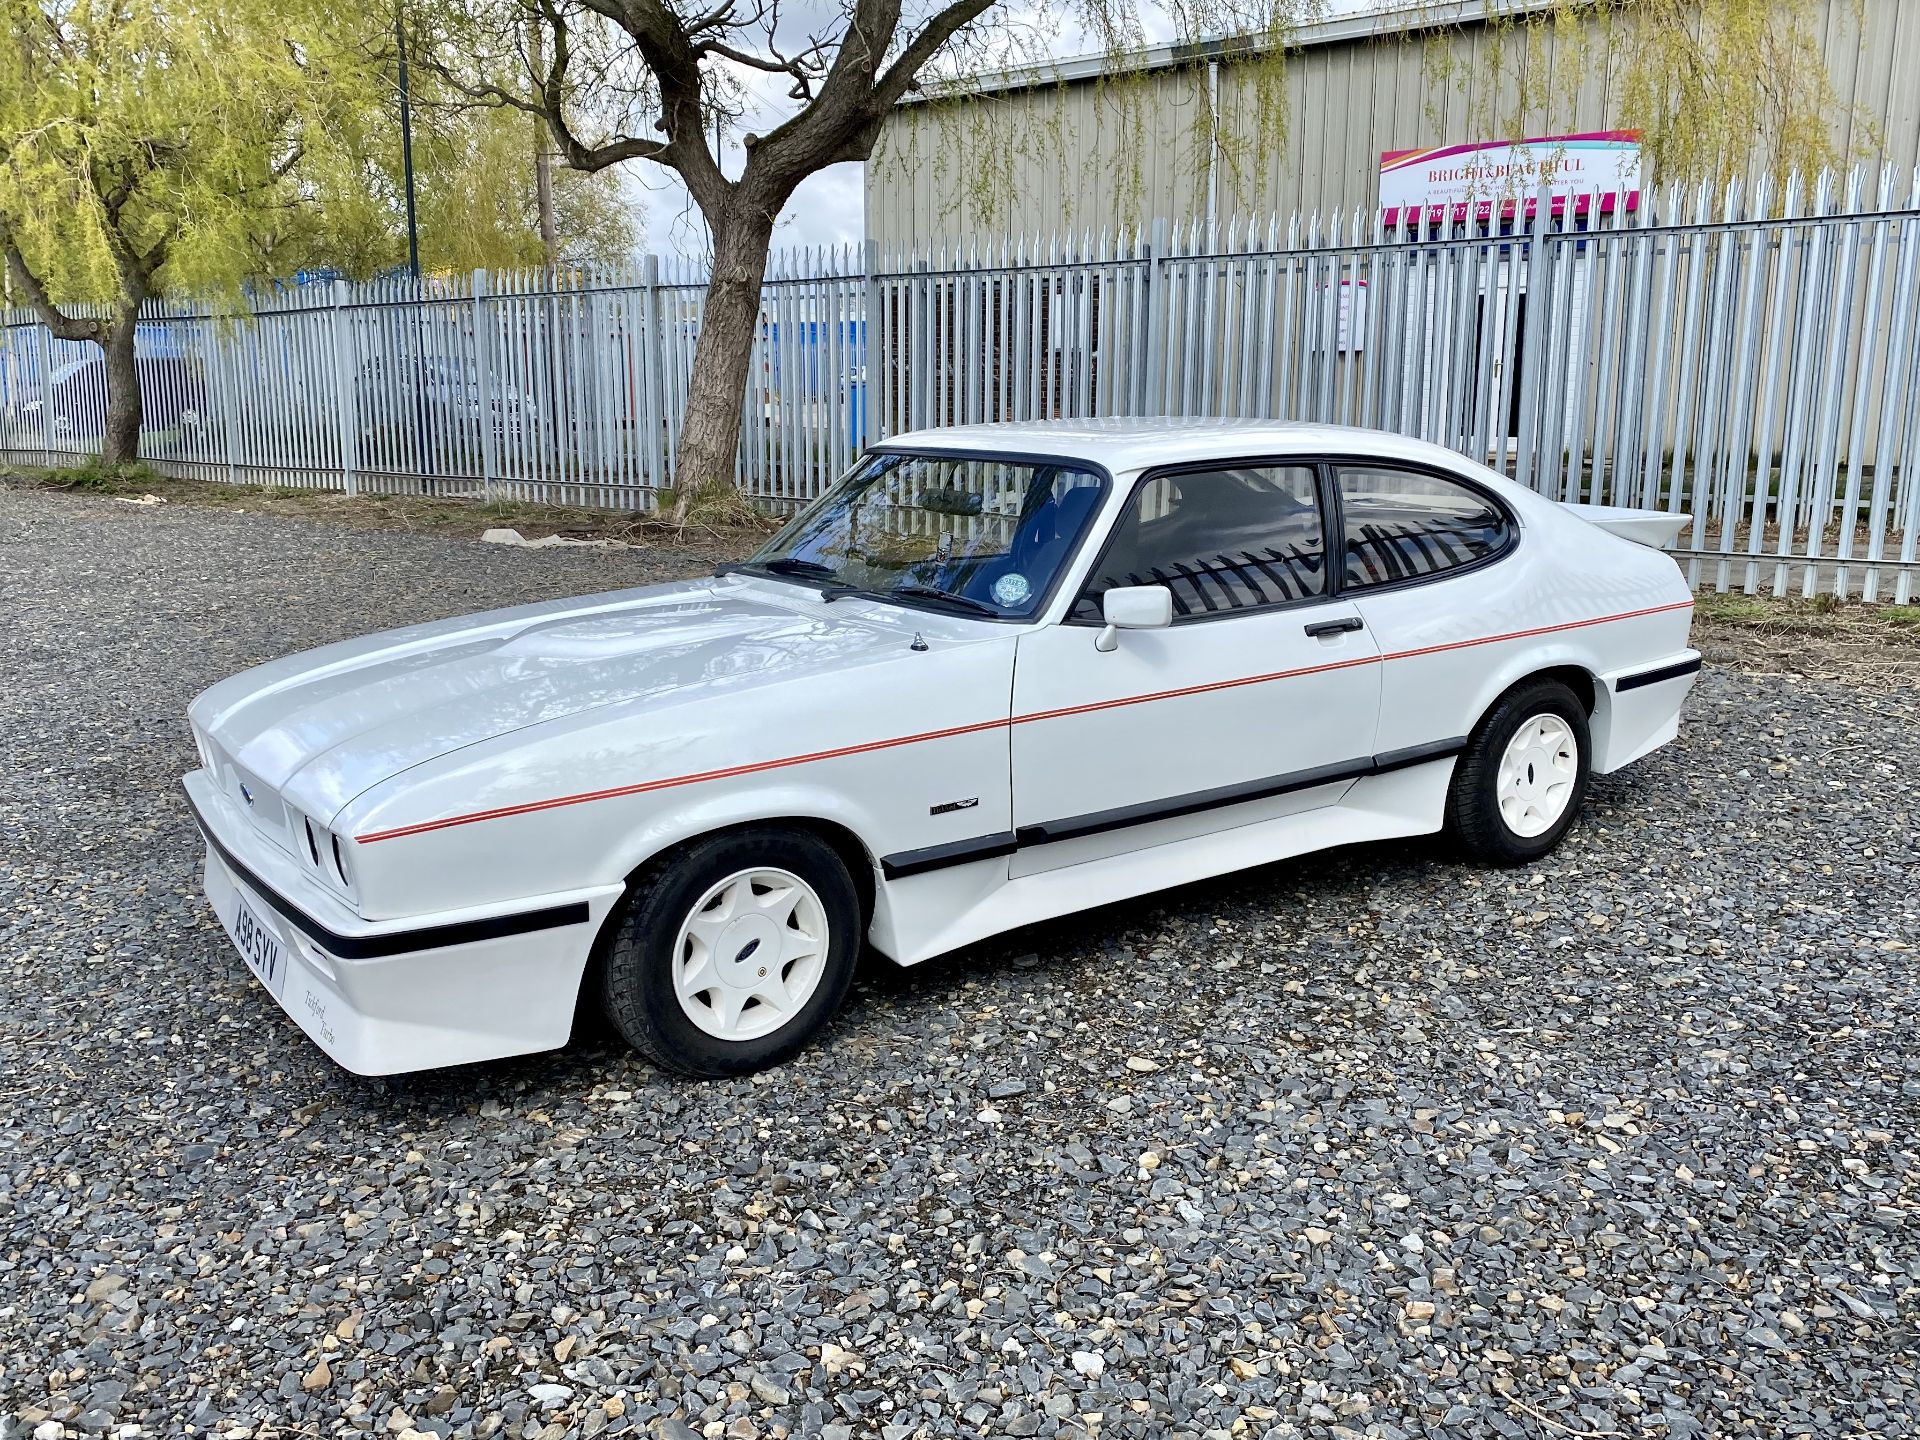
column 1069, row 147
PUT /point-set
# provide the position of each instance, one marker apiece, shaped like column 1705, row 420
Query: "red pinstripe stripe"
column 1539, row 630
column 1197, row 689
column 754, row 767
column 669, row 783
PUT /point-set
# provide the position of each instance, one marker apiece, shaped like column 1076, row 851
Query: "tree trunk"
column 710, row 436
column 121, row 443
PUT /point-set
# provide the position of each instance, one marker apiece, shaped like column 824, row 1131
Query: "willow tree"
column 1716, row 89
column 479, row 205
column 150, row 146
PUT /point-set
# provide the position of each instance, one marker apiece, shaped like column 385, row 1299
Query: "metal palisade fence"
column 1750, row 356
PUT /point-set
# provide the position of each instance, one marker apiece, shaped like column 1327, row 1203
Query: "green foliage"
column 1716, row 88
column 151, row 146
column 96, row 478
column 190, row 146
column 477, row 204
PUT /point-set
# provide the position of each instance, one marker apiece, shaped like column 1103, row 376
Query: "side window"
column 1220, row 540
column 1403, row 525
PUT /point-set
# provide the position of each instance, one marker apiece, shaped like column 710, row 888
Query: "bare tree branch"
column 63, row 326
column 578, row 154
column 805, row 63
column 922, row 48
column 667, row 50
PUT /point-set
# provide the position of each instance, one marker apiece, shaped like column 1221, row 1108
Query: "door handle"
column 1335, row 627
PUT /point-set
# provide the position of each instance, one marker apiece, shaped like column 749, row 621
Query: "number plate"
column 258, row 947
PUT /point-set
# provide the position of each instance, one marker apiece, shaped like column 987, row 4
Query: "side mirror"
column 1133, row 607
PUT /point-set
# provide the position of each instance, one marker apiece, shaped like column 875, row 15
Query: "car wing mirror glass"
column 1133, row 607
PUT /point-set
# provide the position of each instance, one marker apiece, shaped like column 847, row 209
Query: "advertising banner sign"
column 1503, row 178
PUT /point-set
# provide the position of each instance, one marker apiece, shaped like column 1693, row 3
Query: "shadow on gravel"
column 883, row 990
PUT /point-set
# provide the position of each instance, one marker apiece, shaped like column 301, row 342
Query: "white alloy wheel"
column 750, row 954
column 1538, row 773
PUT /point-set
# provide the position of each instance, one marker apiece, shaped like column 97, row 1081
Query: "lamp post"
column 406, row 148
column 420, row 436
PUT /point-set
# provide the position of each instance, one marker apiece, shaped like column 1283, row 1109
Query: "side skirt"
column 936, row 912
column 1101, row 822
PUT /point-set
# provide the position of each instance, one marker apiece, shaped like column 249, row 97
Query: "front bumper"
column 386, row 997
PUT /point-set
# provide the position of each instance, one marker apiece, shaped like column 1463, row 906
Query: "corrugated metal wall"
column 1074, row 156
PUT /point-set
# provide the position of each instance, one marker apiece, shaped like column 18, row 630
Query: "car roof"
column 1140, row 443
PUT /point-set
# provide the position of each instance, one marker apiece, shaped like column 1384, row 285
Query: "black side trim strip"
column 1418, row 754
column 954, row 852
column 959, row 852
column 1101, row 821
column 374, row 947
column 1654, row 677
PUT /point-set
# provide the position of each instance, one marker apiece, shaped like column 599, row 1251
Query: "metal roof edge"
column 1433, row 15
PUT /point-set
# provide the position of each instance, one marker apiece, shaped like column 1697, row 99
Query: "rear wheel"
column 1519, row 786
column 733, row 952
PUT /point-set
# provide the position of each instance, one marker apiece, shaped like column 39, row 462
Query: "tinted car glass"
column 1222, row 541
column 970, row 531
column 1404, row 525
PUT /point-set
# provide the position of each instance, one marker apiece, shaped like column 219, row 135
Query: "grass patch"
column 1822, row 613
column 715, row 529
column 1873, row 646
column 95, row 478
column 719, row 508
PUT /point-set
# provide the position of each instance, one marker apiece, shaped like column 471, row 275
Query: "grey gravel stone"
column 1649, row 1108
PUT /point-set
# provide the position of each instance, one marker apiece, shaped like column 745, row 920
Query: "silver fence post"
column 1534, row 353
column 653, row 364
column 225, row 387
column 922, row 392
column 490, row 417
column 343, row 389
column 863, row 363
column 46, row 394
column 1154, row 362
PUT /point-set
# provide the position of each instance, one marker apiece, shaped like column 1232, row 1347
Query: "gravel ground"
column 1363, row 1145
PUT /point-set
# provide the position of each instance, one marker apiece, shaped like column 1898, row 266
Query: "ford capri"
column 995, row 674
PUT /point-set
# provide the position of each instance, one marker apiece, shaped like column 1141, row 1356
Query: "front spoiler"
column 383, row 998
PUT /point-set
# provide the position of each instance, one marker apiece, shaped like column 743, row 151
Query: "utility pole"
column 406, row 148
column 543, row 170
column 420, row 437
column 549, row 241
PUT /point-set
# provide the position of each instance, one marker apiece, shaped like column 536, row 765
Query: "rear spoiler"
column 1655, row 528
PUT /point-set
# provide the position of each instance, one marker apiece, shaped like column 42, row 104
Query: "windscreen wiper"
column 803, row 569
column 789, row 566
column 945, row 597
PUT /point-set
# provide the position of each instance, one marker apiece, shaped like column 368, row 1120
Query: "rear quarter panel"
column 1567, row 594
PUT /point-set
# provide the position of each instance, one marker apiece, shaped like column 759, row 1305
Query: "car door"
column 1256, row 702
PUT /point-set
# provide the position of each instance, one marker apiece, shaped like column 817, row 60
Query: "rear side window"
column 1406, row 525
column 1233, row 539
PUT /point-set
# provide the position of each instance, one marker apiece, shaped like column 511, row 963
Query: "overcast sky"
column 829, row 208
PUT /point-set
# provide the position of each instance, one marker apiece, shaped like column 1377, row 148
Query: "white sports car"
column 997, row 673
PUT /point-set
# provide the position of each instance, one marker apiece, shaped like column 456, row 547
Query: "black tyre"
column 1519, row 786
column 732, row 952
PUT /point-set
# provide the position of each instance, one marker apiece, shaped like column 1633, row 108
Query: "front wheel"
column 1519, row 785
column 733, row 952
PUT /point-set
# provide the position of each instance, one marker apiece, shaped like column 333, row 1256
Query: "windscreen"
column 974, row 533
